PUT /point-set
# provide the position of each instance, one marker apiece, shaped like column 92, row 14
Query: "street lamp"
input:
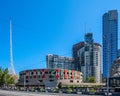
column 24, row 80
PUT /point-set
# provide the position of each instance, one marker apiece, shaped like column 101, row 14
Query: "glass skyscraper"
column 110, row 40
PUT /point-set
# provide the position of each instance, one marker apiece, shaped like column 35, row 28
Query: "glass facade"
column 118, row 52
column 110, row 40
column 89, row 38
column 55, row 61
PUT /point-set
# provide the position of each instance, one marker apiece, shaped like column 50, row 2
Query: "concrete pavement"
column 21, row 93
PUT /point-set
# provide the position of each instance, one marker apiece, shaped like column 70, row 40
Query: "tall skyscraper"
column 110, row 40
column 118, row 52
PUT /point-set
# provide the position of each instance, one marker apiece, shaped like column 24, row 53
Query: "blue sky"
column 42, row 27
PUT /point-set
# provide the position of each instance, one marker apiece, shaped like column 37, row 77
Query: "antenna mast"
column 84, row 30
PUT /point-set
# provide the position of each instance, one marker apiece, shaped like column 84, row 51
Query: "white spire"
column 11, row 69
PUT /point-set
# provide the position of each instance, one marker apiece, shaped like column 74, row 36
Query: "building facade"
column 110, row 40
column 49, row 77
column 90, row 61
column 75, row 49
column 115, row 73
column 115, row 68
column 87, row 58
column 89, row 38
column 78, row 46
column 56, row 61
column 118, row 52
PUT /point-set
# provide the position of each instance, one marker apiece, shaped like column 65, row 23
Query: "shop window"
column 46, row 72
column 41, row 80
column 71, row 81
column 51, row 76
column 51, row 80
column 27, row 81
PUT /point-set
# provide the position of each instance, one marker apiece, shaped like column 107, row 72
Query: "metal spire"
column 11, row 69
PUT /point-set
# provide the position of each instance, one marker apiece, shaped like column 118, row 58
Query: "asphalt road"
column 18, row 93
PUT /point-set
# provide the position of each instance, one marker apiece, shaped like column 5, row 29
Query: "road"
column 19, row 93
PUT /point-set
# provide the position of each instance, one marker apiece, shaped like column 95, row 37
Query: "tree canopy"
column 91, row 79
column 5, row 78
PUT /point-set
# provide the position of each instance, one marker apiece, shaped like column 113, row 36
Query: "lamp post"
column 24, row 81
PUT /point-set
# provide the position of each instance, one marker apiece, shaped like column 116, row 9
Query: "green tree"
column 69, row 90
column 1, row 77
column 5, row 77
column 60, row 85
column 91, row 79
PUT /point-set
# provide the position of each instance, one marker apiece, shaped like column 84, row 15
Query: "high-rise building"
column 90, row 59
column 89, row 38
column 75, row 49
column 78, row 46
column 56, row 61
column 110, row 40
column 118, row 52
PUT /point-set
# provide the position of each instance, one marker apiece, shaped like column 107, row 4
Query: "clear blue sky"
column 41, row 27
